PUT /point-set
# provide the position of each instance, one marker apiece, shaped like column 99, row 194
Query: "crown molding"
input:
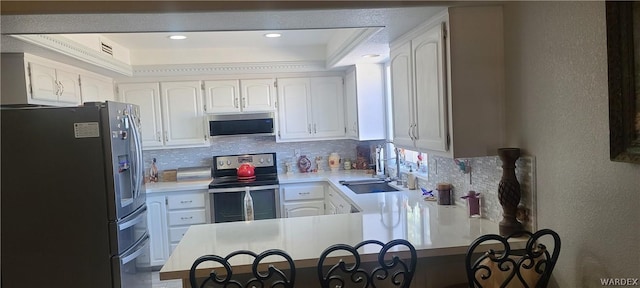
column 228, row 68
column 72, row 49
column 357, row 38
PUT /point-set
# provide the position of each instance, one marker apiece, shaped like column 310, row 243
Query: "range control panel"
column 233, row 162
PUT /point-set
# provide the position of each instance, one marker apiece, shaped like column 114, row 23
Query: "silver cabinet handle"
column 244, row 102
column 309, row 127
column 186, row 218
column 61, row 88
column 235, row 102
column 304, row 193
column 166, row 136
column 185, row 201
column 158, row 136
column 413, row 131
column 314, row 128
column 409, row 132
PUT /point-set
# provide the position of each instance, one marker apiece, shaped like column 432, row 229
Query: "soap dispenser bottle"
column 248, row 205
column 411, row 179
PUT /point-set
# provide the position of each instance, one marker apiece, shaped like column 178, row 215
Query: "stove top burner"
column 234, row 181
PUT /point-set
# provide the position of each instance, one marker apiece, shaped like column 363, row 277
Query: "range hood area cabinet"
column 235, row 96
column 447, row 78
column 365, row 102
column 310, row 109
column 33, row 80
column 172, row 113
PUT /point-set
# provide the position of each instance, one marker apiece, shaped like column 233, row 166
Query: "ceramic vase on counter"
column 334, row 161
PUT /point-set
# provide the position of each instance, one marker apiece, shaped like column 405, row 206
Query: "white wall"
column 558, row 111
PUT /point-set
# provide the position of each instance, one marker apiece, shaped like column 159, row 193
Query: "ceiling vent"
column 106, row 48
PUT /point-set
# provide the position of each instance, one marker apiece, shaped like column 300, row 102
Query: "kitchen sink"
column 368, row 186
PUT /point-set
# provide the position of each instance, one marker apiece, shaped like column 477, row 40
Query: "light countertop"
column 433, row 229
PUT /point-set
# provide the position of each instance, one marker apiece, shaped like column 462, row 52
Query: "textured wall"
column 558, row 111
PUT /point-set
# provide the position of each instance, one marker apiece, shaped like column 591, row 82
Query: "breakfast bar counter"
column 437, row 232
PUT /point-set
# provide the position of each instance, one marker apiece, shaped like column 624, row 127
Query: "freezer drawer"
column 131, row 268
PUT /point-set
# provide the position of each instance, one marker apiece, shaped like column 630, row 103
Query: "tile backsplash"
column 194, row 157
column 484, row 176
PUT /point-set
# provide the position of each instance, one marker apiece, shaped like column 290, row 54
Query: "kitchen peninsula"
column 440, row 234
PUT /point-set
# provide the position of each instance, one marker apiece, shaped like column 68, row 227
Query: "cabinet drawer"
column 187, row 217
column 303, row 192
column 185, row 201
column 175, row 234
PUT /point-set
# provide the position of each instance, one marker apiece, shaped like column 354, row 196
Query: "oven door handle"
column 242, row 189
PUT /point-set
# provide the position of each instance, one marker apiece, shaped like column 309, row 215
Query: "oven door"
column 227, row 203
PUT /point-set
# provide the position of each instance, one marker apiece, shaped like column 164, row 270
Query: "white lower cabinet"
column 335, row 202
column 302, row 199
column 157, row 223
column 169, row 217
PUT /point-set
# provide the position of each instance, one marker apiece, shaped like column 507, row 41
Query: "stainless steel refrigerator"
column 73, row 198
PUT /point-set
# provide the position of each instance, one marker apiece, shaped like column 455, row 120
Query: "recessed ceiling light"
column 177, row 37
column 272, row 35
column 371, row 56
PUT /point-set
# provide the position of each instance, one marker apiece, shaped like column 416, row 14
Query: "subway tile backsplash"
column 484, row 178
column 193, row 157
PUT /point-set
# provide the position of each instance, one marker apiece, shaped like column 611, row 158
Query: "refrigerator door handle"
column 138, row 153
column 135, row 251
column 134, row 219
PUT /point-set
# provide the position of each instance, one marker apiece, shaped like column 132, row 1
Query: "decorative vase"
column 334, row 161
column 509, row 191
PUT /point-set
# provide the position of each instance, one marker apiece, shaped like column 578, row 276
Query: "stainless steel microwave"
column 241, row 124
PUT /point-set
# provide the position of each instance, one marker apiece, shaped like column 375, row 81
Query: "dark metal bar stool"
column 273, row 277
column 391, row 268
column 508, row 268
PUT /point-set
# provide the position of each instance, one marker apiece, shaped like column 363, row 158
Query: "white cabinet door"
column 222, row 96
column 96, row 89
column 183, row 113
column 430, row 98
column 257, row 95
column 147, row 96
column 401, row 83
column 158, row 229
column 365, row 102
column 293, row 99
column 44, row 84
column 351, row 104
column 300, row 209
column 69, row 83
column 327, row 107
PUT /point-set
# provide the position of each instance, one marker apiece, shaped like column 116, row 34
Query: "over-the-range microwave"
column 241, row 124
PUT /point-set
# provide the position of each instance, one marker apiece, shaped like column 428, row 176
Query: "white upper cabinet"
column 402, row 95
column 172, row 113
column 310, row 108
column 183, row 113
column 364, row 102
column 222, row 96
column 147, row 96
column 28, row 79
column 95, row 88
column 447, row 79
column 430, row 119
column 232, row 96
column 258, row 95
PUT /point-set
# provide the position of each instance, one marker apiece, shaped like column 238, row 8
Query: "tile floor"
column 156, row 283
